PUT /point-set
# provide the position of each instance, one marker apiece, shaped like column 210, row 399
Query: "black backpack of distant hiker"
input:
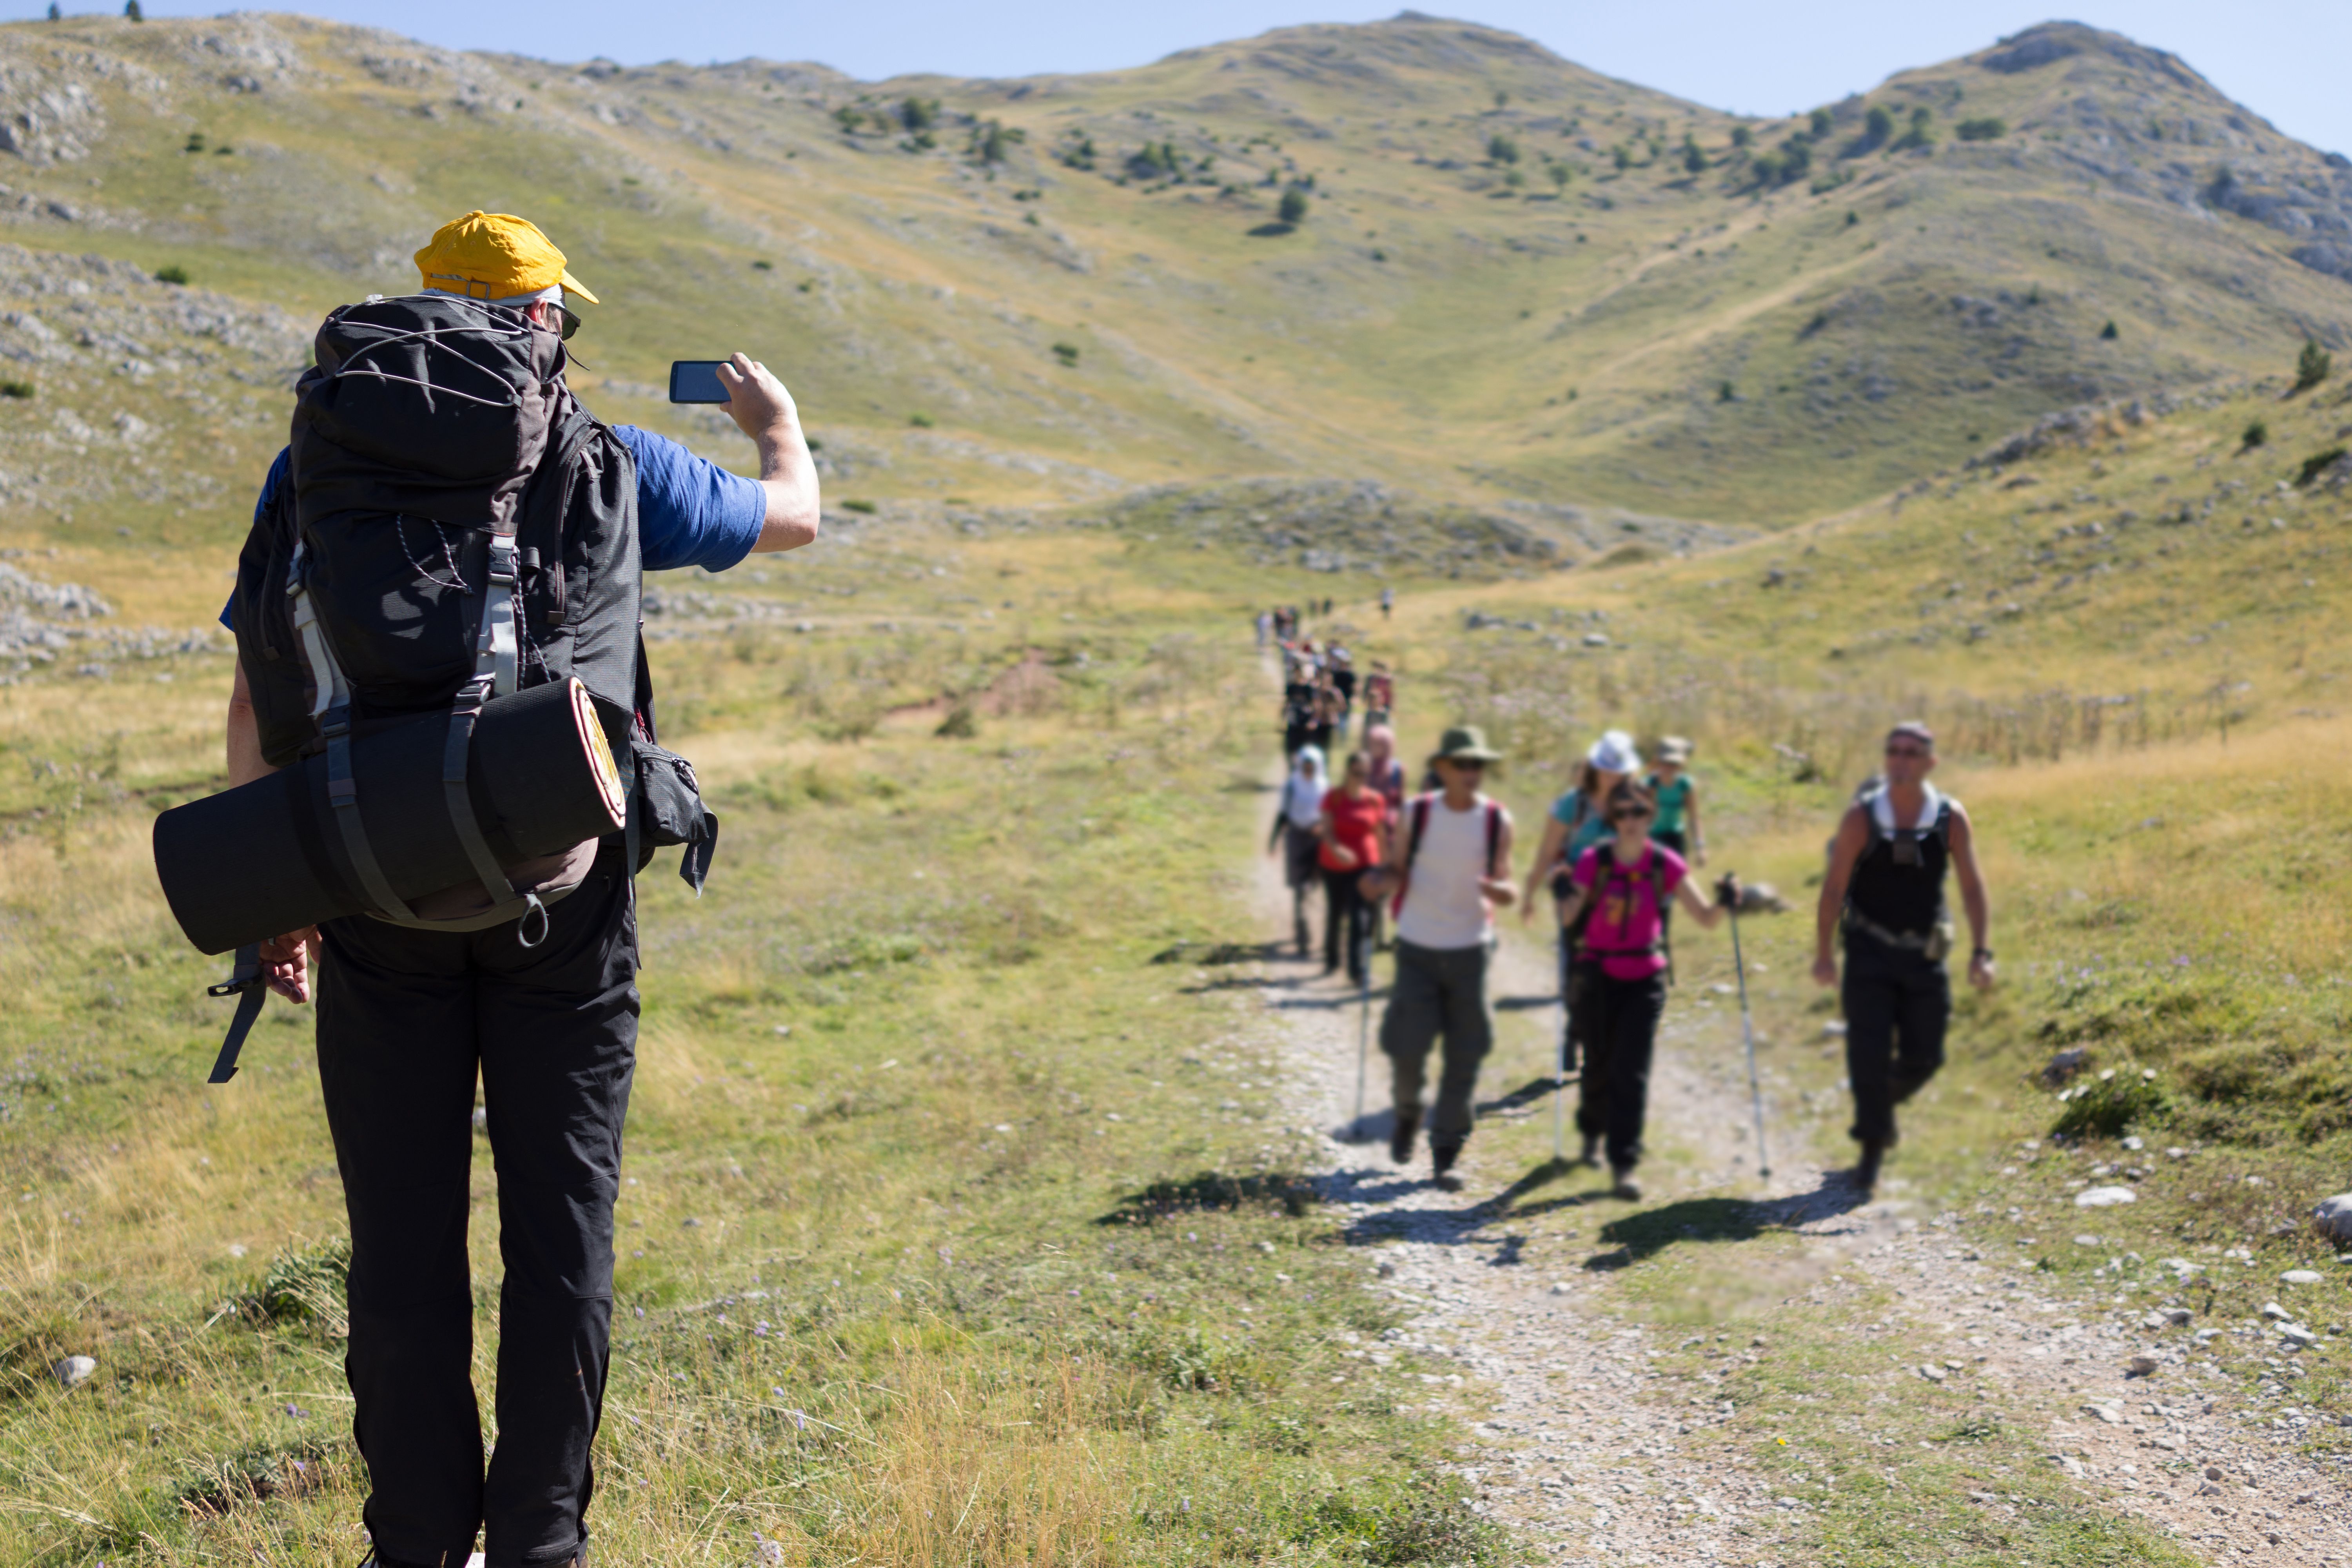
column 453, row 527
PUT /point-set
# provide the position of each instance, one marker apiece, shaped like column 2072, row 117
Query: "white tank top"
column 1444, row 905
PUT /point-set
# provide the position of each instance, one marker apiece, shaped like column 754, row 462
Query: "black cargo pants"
column 1897, row 1003
column 405, row 1020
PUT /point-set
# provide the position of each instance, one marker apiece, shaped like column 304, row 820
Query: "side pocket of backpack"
column 669, row 809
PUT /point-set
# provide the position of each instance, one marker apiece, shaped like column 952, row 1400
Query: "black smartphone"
column 695, row 381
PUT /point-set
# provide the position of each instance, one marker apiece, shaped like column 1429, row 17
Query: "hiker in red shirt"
column 1354, row 816
column 1626, row 880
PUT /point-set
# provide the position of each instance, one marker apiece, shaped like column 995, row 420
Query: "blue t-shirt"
column 690, row 511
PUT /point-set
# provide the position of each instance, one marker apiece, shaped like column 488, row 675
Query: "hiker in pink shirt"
column 1626, row 880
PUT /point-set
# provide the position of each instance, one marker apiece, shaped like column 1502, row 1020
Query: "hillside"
column 1515, row 280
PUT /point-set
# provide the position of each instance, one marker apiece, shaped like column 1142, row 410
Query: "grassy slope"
column 2110, row 861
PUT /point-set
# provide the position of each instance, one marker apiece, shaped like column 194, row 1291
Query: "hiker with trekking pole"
column 424, row 563
column 1620, row 889
column 1451, row 871
column 1884, row 891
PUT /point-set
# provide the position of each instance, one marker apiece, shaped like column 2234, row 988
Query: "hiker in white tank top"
column 1446, row 905
column 1454, row 858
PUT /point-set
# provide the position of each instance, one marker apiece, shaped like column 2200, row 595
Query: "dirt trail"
column 1595, row 1457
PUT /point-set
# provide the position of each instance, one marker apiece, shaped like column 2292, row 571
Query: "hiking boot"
column 1591, row 1158
column 1442, row 1157
column 1626, row 1187
column 1401, row 1141
column 1865, row 1171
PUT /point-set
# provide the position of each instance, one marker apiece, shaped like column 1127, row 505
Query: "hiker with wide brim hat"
column 1884, row 893
column 1452, row 869
column 381, row 572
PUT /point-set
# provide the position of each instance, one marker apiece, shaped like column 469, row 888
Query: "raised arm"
column 1852, row 838
column 764, row 411
column 1972, row 899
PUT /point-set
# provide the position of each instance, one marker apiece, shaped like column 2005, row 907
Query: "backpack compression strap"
column 330, row 707
column 251, row 988
column 494, row 675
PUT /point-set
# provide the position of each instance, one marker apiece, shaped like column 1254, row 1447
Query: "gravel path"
column 1585, row 1450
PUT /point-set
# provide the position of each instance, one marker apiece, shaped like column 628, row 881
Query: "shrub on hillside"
column 15, row 389
column 2256, row 434
column 1821, row 122
column 1693, row 159
column 1919, row 135
column 920, row 114
column 175, row 273
column 1741, row 137
column 2318, row 464
column 2108, row 332
column 2312, row 366
column 1877, row 128
column 2113, row 1104
column 1294, row 205
column 1067, row 353
column 1501, row 149
column 1983, row 129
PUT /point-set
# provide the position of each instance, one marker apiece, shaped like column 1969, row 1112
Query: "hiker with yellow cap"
column 447, row 531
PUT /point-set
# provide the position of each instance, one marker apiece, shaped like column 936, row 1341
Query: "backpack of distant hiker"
column 452, row 526
column 1417, row 819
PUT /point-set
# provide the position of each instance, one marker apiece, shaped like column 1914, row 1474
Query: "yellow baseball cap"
column 494, row 255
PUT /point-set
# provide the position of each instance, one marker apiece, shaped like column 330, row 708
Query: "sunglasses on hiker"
column 568, row 324
column 1631, row 814
column 1907, row 752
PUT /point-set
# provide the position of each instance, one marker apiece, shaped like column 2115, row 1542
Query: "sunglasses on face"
column 1631, row 814
column 567, row 324
column 1904, row 752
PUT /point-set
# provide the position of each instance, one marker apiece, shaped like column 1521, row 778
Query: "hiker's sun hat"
column 1465, row 743
column 1614, row 752
column 495, row 255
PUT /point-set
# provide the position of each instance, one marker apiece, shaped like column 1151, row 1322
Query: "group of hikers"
column 1617, row 854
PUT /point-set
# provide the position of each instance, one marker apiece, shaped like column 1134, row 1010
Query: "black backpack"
column 452, row 526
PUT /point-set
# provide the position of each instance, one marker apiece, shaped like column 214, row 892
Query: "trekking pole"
column 1364, row 1041
column 1747, row 1032
column 1559, row 1079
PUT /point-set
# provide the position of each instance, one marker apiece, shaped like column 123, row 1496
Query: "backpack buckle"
column 335, row 722
column 502, row 561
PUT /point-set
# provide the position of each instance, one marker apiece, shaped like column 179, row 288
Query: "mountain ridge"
column 1515, row 279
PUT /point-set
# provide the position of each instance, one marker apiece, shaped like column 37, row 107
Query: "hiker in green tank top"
column 1676, row 793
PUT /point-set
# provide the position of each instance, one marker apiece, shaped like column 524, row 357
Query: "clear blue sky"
column 2283, row 58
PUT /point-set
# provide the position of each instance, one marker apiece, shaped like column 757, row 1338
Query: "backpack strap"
column 1493, row 832
column 330, row 709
